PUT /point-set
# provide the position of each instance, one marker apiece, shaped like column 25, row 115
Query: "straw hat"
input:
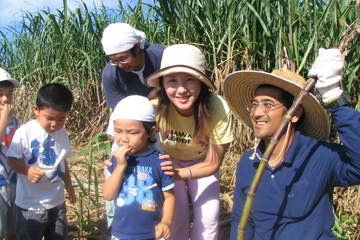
column 5, row 76
column 239, row 89
column 181, row 58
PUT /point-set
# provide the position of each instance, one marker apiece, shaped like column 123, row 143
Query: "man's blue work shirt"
column 119, row 84
column 294, row 200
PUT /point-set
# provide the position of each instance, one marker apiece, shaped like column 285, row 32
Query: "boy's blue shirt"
column 7, row 175
column 140, row 199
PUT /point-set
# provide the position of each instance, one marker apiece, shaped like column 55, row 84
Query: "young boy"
column 8, row 126
column 145, row 200
column 38, row 154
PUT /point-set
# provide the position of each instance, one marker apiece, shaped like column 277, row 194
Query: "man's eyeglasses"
column 265, row 107
column 122, row 61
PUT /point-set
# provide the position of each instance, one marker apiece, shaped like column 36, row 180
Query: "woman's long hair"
column 202, row 109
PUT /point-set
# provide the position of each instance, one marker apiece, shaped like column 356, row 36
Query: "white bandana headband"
column 134, row 107
column 121, row 37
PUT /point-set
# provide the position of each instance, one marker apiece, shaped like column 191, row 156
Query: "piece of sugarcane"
column 344, row 42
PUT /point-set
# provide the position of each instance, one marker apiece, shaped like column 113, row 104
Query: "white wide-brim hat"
column 239, row 90
column 5, row 76
column 183, row 58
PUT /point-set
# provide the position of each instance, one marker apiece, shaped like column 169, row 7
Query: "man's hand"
column 34, row 174
column 327, row 68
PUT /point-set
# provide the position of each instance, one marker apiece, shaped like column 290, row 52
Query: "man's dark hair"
column 132, row 50
column 6, row 83
column 285, row 97
column 55, row 96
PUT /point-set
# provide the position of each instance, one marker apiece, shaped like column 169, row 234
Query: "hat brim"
column 239, row 89
column 14, row 82
column 153, row 79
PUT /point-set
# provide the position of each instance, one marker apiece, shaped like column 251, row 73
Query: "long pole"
column 347, row 39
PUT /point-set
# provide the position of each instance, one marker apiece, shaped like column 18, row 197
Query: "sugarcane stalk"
column 344, row 42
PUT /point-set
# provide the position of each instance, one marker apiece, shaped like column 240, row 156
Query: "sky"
column 10, row 10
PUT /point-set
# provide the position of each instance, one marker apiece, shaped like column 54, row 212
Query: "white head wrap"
column 121, row 37
column 134, row 107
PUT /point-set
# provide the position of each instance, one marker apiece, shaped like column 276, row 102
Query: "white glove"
column 328, row 67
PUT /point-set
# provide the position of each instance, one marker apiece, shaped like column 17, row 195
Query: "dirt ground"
column 87, row 217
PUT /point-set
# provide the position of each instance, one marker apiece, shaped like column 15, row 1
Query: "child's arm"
column 112, row 184
column 6, row 112
column 68, row 184
column 163, row 228
column 34, row 174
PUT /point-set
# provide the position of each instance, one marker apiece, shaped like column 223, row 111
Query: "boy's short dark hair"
column 148, row 126
column 6, row 84
column 55, row 96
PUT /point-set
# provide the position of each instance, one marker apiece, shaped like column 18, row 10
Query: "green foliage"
column 97, row 149
column 339, row 230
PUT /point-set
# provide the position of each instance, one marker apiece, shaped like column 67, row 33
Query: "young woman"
column 195, row 128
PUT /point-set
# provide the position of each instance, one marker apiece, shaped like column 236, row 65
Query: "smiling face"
column 128, row 61
column 267, row 123
column 183, row 90
column 49, row 119
column 133, row 134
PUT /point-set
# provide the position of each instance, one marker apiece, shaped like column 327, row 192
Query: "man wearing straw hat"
column 131, row 61
column 294, row 196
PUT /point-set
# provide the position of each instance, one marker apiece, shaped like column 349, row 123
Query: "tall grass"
column 64, row 46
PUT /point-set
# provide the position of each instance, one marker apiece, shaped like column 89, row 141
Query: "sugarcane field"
column 66, row 45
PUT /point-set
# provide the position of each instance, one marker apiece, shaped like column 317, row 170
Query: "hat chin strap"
column 283, row 146
column 255, row 154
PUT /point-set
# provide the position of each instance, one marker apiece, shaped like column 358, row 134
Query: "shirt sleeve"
column 16, row 146
column 167, row 182
column 66, row 144
column 222, row 131
column 346, row 165
column 111, row 168
column 112, row 88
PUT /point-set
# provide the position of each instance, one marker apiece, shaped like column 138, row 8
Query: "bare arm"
column 34, row 174
column 113, row 183
column 68, row 184
column 6, row 112
column 212, row 163
column 163, row 228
